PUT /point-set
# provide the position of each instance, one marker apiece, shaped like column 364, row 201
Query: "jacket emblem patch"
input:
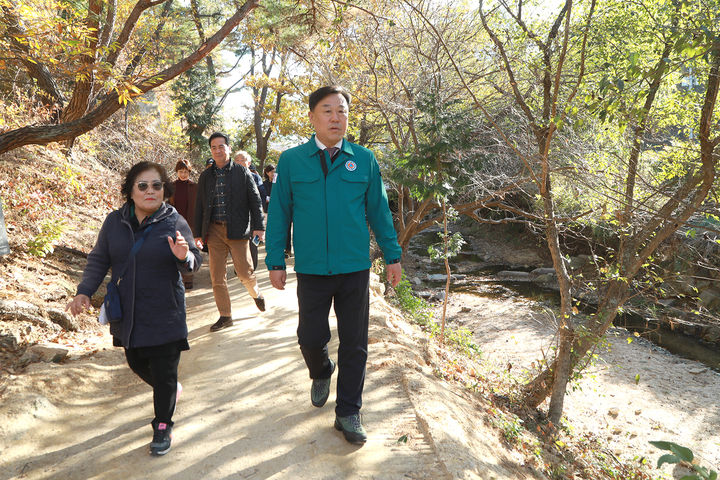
column 350, row 165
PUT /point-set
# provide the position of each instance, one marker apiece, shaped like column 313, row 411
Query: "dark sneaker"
column 260, row 303
column 162, row 437
column 352, row 429
column 223, row 322
column 321, row 388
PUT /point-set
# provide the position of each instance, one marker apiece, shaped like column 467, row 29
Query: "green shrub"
column 420, row 312
column 43, row 243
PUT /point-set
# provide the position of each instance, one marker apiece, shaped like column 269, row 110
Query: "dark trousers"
column 350, row 293
column 254, row 254
column 160, row 372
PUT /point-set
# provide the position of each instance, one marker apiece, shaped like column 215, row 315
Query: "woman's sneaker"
column 162, row 437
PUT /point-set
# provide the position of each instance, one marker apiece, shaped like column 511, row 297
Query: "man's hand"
column 393, row 273
column 78, row 304
column 179, row 247
column 259, row 233
column 278, row 278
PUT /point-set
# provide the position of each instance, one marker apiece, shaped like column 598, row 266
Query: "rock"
column 684, row 284
column 697, row 371
column 8, row 341
column 53, row 295
column 543, row 271
column 379, row 318
column 377, row 287
column 710, row 298
column 544, row 279
column 465, row 309
column 585, row 258
column 578, row 262
column 441, row 277
column 416, row 281
column 48, row 352
column 513, row 276
column 614, row 412
column 638, row 411
column 712, row 335
column 10, row 307
column 64, row 319
column 24, row 311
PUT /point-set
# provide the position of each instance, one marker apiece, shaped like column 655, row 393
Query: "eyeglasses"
column 142, row 186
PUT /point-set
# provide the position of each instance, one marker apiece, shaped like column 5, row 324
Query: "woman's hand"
column 78, row 304
column 179, row 247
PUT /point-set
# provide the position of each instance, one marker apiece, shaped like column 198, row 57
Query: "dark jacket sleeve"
column 254, row 202
column 200, row 202
column 98, row 260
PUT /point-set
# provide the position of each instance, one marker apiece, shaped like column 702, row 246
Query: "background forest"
column 592, row 123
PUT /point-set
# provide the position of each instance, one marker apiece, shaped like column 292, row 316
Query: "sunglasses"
column 142, row 186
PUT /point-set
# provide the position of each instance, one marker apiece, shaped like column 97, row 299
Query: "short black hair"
column 268, row 168
column 323, row 92
column 137, row 169
column 221, row 135
column 183, row 164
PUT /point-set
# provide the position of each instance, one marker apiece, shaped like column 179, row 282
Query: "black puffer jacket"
column 152, row 291
column 244, row 207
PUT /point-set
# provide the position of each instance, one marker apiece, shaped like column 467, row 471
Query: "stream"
column 475, row 276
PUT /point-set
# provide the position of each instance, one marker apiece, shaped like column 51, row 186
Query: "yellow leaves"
column 126, row 91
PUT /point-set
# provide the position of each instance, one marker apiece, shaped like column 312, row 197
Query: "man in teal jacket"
column 330, row 190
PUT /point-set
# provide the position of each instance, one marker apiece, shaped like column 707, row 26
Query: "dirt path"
column 245, row 411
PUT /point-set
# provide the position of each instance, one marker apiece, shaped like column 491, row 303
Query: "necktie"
column 332, row 151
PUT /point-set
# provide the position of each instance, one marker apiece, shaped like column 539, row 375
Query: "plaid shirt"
column 219, row 203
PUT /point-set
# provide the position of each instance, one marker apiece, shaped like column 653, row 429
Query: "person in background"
column 269, row 174
column 152, row 330
column 208, row 163
column 269, row 179
column 331, row 190
column 243, row 158
column 184, row 202
column 228, row 213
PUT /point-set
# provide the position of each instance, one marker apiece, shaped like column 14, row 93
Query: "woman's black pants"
column 161, row 373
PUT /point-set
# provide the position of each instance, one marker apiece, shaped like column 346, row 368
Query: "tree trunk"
column 688, row 198
column 53, row 96
column 447, row 273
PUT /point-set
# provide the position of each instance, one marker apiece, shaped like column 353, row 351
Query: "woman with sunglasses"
column 152, row 329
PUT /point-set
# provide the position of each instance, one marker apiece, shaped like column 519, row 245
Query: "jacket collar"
column 311, row 147
column 164, row 211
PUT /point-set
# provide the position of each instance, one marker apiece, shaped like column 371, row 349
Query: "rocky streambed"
column 490, row 268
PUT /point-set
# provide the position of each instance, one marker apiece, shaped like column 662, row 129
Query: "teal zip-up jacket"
column 330, row 215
